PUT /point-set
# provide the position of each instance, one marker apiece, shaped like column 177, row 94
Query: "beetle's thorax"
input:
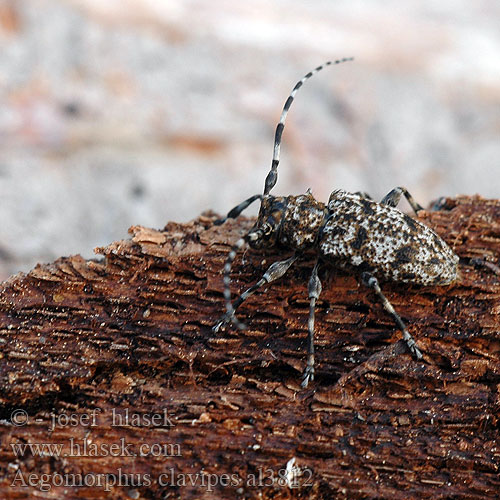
column 292, row 221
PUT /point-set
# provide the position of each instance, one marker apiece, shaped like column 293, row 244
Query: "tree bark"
column 127, row 339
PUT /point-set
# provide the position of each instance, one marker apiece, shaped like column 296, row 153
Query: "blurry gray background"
column 122, row 112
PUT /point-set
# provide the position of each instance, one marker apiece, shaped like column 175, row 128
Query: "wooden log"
column 113, row 385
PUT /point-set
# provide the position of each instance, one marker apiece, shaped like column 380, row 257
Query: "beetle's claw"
column 228, row 318
column 307, row 376
column 414, row 349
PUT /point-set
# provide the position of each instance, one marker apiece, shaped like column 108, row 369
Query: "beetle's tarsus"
column 307, row 376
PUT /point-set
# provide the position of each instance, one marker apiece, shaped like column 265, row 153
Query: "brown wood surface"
column 84, row 343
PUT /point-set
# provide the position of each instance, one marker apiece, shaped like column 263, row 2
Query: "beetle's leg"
column 484, row 263
column 314, row 289
column 234, row 212
column 370, row 281
column 392, row 199
column 364, row 195
column 275, row 271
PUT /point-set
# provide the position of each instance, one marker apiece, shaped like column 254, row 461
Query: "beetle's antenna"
column 232, row 214
column 253, row 235
column 272, row 176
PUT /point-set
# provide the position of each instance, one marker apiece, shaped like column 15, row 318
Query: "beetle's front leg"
column 275, row 271
column 370, row 281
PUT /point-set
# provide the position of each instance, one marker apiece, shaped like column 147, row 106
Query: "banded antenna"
column 272, row 176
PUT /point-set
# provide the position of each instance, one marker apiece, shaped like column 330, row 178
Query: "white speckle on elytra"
column 388, row 243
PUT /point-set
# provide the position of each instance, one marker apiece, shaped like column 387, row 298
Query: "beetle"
column 352, row 231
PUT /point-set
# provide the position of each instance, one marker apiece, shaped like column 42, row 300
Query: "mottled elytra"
column 374, row 240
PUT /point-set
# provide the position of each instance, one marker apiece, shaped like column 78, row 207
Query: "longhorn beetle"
column 352, row 232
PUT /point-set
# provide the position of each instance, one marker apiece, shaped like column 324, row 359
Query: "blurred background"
column 122, row 112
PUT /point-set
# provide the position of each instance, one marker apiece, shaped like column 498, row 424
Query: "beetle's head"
column 265, row 232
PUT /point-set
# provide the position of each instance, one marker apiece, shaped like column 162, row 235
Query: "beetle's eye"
column 267, row 229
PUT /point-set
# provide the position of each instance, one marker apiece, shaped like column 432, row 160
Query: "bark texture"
column 126, row 339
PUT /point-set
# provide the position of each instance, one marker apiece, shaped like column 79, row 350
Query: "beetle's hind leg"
column 392, row 199
column 364, row 194
column 371, row 282
column 314, row 289
column 275, row 271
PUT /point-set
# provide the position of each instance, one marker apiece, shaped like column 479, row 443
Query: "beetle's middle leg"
column 275, row 271
column 392, row 199
column 314, row 289
column 370, row 281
